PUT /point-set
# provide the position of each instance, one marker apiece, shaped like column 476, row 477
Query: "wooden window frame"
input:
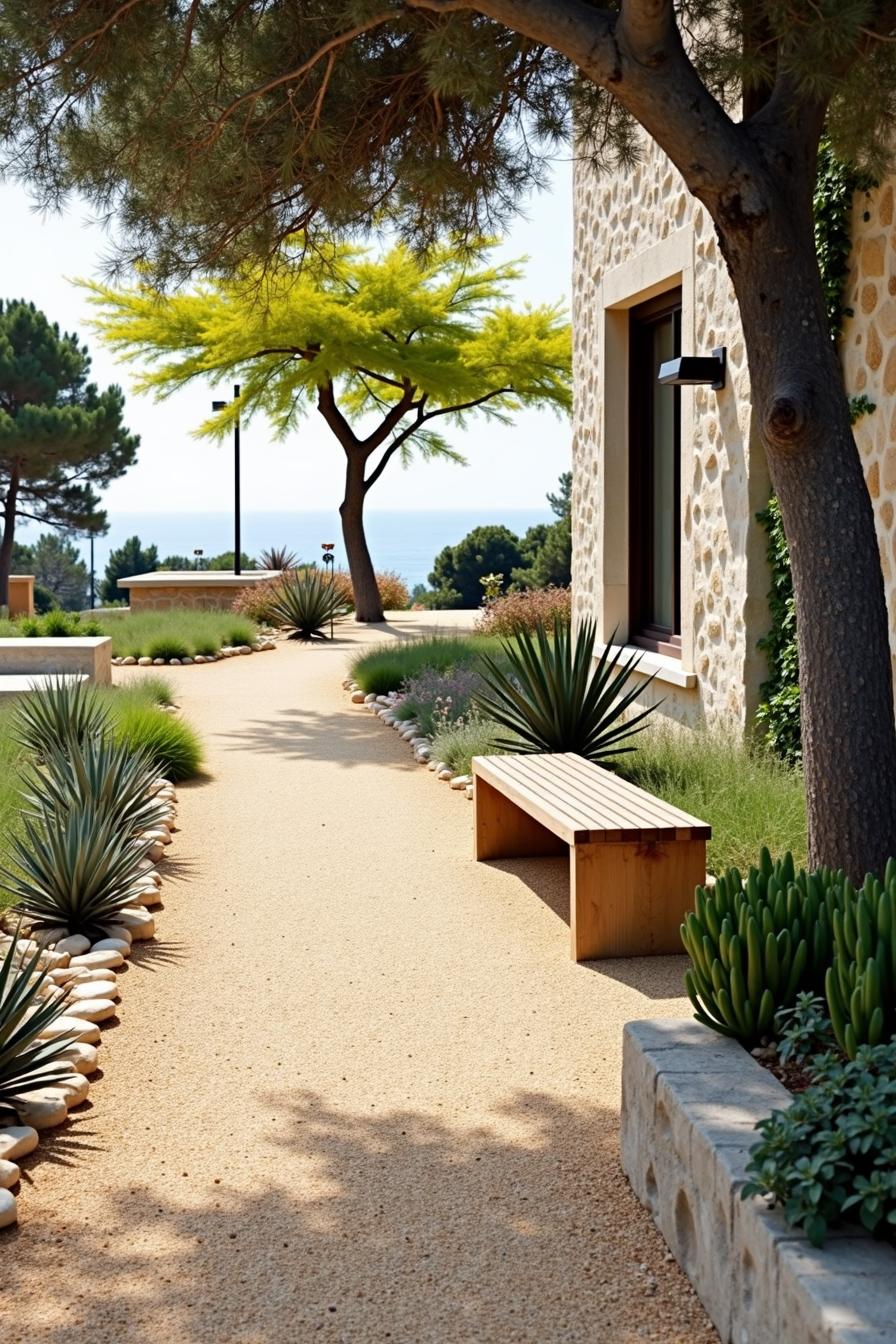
column 642, row 633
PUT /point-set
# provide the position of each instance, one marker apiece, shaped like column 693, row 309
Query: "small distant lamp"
column 199, row 554
column 329, row 559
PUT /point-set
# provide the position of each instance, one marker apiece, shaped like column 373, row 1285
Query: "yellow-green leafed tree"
column 389, row 349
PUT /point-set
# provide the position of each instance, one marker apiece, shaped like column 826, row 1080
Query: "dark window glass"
column 655, row 477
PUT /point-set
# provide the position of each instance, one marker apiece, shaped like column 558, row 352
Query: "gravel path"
column 358, row 1092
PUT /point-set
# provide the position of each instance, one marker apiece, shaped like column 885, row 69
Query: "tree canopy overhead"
column 212, row 132
column 388, row 349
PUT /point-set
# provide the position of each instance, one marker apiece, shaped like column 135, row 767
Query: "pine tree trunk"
column 9, row 531
column 368, row 606
column 849, row 738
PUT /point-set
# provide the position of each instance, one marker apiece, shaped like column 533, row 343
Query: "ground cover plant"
column 387, row 667
column 179, row 633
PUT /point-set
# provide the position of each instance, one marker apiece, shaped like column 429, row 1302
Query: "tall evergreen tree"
column 130, row 558
column 59, row 435
column 218, row 132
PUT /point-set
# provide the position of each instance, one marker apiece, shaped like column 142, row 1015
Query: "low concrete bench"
column 12, row 684
column 634, row 860
column 90, row 656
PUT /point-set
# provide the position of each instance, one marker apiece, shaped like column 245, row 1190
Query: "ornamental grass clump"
column 26, row 1061
column 553, row 695
column 74, row 872
column 170, row 744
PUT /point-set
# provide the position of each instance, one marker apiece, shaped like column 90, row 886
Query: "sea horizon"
column 405, row 541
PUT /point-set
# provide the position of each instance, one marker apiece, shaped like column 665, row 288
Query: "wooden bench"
column 634, row 860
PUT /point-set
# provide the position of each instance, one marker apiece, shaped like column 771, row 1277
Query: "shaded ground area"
column 358, row 1092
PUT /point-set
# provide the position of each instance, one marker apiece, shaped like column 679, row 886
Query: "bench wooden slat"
column 596, row 817
column 599, row 810
column 561, row 822
column 635, row 800
column 575, row 797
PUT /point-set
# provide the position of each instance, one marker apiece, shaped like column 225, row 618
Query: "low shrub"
column 533, row 609
column 829, row 1157
column 171, row 744
column 388, row 667
column 457, row 743
column 437, row 699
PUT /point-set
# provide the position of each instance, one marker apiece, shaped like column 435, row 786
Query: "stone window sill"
column 659, row 665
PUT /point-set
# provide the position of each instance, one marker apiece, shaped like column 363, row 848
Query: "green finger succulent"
column 755, row 944
column 860, row 985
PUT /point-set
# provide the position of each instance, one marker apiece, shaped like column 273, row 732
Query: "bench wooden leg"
column 628, row 900
column 504, row 831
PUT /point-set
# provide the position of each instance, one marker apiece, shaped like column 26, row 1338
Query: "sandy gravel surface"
column 358, row 1091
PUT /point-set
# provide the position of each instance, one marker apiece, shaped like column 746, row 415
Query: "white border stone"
column 690, row 1100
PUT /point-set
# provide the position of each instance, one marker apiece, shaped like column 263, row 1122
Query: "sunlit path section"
column 359, row 1091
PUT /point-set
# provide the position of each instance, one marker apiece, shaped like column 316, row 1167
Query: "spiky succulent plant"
column 74, row 872
column 307, row 602
column 26, row 1062
column 104, row 773
column 59, row 713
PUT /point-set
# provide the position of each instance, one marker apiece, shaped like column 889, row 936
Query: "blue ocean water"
column 406, row 542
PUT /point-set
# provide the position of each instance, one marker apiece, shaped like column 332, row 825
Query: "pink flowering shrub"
column 528, row 610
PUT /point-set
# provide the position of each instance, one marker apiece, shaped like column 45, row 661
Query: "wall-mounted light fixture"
column 689, row 370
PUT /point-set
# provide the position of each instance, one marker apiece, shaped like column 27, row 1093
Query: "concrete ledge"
column 690, row 1099
column 31, row 658
column 16, row 685
column 658, row 665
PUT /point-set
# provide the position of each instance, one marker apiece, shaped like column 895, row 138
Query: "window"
column 655, row 478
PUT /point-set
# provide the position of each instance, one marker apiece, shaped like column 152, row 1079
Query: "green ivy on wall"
column 779, row 711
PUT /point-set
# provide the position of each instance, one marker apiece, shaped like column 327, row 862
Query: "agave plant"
column 61, row 713
column 306, row 603
column 25, row 1061
column 103, row 773
column 554, row 697
column 76, row 871
column 279, row 557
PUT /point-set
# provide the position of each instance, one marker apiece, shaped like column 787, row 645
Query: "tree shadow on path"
column 345, row 1227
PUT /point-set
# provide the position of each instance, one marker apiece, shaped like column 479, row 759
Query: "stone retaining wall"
column 690, row 1100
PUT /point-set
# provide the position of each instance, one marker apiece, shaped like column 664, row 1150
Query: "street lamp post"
column 329, row 559
column 237, row 543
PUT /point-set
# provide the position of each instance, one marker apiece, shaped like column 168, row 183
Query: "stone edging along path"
column 87, row 974
column 421, row 745
column 266, row 645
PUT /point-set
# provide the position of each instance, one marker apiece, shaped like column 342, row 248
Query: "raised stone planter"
column 32, row 658
column 200, row 590
column 690, row 1099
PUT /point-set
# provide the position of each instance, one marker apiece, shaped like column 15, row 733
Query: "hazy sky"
column 509, row 466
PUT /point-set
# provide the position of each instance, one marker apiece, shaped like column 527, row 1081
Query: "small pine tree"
column 131, row 558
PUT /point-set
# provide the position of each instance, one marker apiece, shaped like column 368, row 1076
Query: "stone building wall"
column 637, row 232
column 868, row 351
column 194, row 598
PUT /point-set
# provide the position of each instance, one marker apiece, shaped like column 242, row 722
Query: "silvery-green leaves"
column 306, row 603
column 25, row 1061
column 61, row 713
column 76, row 873
column 554, row 695
column 101, row 772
